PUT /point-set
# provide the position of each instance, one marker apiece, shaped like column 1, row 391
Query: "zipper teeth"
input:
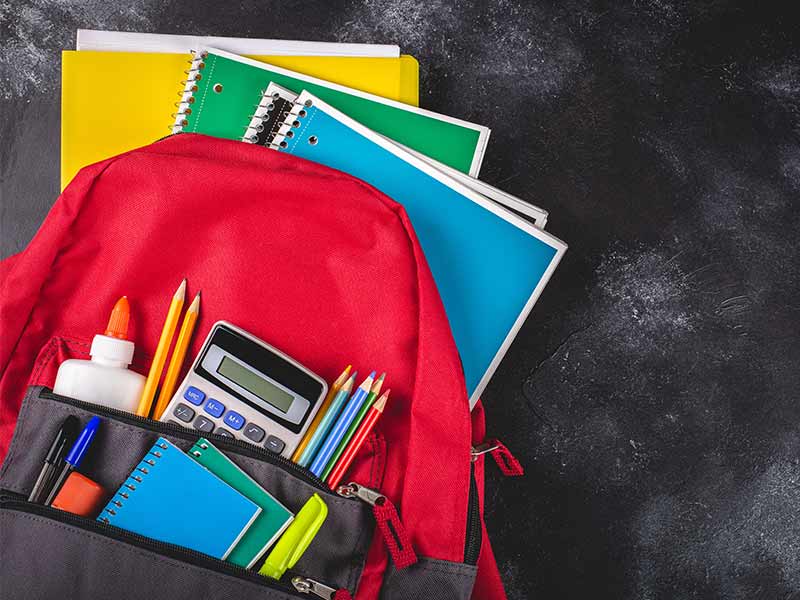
column 12, row 501
column 181, row 432
column 472, row 546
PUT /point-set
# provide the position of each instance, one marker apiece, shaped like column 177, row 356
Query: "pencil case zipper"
column 16, row 502
column 181, row 432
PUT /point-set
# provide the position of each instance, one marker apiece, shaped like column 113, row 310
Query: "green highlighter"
column 296, row 539
column 268, row 525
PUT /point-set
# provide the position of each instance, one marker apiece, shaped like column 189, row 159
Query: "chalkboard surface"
column 653, row 393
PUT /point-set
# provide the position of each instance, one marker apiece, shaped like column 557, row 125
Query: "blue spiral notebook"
column 490, row 265
column 171, row 498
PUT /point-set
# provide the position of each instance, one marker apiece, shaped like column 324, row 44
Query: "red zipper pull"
column 391, row 527
column 506, row 462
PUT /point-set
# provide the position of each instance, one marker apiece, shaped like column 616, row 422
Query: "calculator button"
column 233, row 420
column 214, row 407
column 184, row 413
column 254, row 432
column 193, row 395
column 275, row 444
column 203, row 424
column 223, row 432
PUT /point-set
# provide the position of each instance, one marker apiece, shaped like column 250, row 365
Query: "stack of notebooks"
column 351, row 107
column 199, row 500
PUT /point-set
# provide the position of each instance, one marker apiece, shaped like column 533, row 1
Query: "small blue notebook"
column 171, row 498
column 490, row 265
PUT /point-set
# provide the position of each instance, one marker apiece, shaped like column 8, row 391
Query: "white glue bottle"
column 105, row 379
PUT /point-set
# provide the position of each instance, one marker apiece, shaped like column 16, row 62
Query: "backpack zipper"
column 181, row 432
column 472, row 545
column 305, row 585
column 13, row 501
column 391, row 527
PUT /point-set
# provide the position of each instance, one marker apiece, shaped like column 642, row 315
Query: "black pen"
column 55, row 456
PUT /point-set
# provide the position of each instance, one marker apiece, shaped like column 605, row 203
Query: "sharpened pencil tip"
column 180, row 293
column 195, row 305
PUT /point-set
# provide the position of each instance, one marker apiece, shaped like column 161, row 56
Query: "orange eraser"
column 80, row 495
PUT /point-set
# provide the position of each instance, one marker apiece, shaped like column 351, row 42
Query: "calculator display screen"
column 255, row 384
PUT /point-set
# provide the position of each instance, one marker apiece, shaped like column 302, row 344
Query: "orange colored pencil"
column 358, row 440
column 334, row 389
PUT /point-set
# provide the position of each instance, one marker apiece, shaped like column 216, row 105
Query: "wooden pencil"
column 160, row 357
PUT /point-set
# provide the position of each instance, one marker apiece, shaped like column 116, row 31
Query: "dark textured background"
column 653, row 393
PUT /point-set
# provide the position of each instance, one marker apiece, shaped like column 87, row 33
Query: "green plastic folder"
column 267, row 527
column 230, row 88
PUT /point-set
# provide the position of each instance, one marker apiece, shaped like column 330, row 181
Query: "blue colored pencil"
column 327, row 422
column 337, row 433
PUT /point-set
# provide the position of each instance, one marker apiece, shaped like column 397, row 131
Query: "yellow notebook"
column 112, row 102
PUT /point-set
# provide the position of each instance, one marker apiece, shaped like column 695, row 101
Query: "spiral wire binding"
column 184, row 106
column 290, row 123
column 202, row 446
column 263, row 110
column 144, row 468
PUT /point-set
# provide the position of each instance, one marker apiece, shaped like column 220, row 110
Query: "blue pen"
column 75, row 455
column 327, row 422
column 338, row 431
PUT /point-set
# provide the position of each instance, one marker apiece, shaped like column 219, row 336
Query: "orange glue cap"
column 118, row 323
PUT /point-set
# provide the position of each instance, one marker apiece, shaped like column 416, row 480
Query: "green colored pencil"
column 373, row 393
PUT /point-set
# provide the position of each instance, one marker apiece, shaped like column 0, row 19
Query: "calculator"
column 241, row 387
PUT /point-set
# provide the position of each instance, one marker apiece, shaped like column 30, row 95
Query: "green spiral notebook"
column 223, row 90
column 269, row 524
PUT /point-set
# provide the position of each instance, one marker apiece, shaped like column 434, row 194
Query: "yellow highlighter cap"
column 296, row 539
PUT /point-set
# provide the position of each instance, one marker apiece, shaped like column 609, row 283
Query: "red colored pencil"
column 358, row 440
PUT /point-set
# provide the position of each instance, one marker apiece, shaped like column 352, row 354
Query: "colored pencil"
column 327, row 422
column 373, row 393
column 178, row 356
column 335, row 387
column 342, row 423
column 358, row 440
column 160, row 357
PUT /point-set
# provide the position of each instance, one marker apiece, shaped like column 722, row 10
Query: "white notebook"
column 128, row 41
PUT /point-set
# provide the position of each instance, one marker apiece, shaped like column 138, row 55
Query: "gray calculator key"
column 275, row 444
column 184, row 413
column 203, row 424
column 223, row 432
column 254, row 432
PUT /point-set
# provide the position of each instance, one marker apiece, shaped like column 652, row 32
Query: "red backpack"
column 313, row 261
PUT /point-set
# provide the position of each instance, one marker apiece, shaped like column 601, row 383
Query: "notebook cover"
column 489, row 264
column 129, row 41
column 276, row 101
column 106, row 108
column 231, row 86
column 171, row 498
column 274, row 517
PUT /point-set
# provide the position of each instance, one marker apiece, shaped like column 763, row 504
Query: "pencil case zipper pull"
column 506, row 462
column 394, row 533
column 304, row 585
